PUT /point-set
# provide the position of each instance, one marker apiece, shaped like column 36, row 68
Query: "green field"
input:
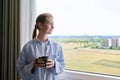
column 91, row 60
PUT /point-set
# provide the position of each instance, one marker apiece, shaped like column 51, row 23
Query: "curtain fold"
column 1, row 37
column 17, row 20
column 10, row 38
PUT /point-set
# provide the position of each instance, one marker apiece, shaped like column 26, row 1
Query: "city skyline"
column 83, row 17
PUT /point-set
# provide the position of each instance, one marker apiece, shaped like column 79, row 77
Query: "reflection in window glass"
column 88, row 31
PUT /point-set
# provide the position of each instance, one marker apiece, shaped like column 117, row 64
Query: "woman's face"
column 47, row 26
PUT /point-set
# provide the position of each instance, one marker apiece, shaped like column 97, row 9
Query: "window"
column 88, row 31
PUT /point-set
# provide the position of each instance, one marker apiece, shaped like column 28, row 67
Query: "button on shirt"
column 35, row 49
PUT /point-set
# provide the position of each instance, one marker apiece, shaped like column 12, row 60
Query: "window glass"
column 88, row 31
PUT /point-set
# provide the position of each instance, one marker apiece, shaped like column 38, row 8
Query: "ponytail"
column 34, row 32
column 41, row 18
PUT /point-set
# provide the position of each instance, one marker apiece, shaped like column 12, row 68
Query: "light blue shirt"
column 33, row 50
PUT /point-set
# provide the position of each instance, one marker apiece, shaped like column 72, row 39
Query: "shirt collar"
column 38, row 41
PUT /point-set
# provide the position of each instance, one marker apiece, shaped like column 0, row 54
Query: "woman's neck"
column 42, row 38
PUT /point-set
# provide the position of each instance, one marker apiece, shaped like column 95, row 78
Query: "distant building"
column 114, row 42
column 118, row 42
column 108, row 43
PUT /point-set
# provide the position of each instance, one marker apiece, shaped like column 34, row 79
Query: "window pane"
column 88, row 31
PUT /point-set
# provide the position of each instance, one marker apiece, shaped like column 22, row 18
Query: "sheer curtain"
column 27, row 20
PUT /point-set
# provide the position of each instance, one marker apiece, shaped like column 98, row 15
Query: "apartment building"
column 113, row 42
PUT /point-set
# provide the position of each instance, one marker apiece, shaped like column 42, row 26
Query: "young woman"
column 30, row 63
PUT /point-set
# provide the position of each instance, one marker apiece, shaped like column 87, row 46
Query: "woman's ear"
column 39, row 24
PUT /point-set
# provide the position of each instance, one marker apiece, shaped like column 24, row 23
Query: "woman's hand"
column 50, row 63
column 39, row 63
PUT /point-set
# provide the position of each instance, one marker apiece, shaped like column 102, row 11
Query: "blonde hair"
column 41, row 18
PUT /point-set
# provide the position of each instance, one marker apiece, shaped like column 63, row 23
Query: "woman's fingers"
column 50, row 63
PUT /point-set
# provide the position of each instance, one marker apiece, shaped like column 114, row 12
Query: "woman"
column 30, row 63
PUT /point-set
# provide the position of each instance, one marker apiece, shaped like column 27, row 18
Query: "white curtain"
column 27, row 20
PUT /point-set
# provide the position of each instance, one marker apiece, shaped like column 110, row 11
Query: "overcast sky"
column 83, row 17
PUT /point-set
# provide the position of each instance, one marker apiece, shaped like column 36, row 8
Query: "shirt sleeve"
column 24, row 68
column 59, row 62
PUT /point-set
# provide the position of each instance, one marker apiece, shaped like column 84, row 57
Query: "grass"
column 109, row 63
column 91, row 60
